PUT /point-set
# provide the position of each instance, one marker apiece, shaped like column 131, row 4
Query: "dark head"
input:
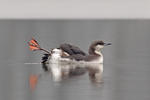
column 96, row 46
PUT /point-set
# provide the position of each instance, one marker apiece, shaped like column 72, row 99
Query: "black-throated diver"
column 70, row 53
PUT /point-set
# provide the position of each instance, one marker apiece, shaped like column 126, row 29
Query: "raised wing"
column 72, row 50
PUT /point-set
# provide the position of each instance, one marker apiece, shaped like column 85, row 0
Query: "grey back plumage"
column 90, row 57
column 77, row 57
column 72, row 50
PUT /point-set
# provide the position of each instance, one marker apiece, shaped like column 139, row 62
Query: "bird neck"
column 92, row 51
column 98, row 53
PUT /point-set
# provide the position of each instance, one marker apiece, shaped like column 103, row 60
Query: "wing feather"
column 72, row 50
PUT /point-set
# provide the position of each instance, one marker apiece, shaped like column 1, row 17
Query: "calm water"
column 126, row 62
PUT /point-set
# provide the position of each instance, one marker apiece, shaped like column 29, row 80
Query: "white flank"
column 55, row 56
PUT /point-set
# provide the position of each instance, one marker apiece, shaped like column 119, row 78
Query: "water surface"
column 126, row 62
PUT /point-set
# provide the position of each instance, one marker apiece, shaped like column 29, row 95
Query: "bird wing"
column 72, row 50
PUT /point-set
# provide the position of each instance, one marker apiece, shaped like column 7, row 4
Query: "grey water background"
column 126, row 63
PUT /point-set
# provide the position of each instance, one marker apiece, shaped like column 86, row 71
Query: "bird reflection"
column 62, row 71
column 95, row 72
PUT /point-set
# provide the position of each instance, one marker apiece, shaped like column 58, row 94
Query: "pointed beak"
column 106, row 44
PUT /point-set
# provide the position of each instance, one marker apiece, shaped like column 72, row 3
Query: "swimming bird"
column 69, row 53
